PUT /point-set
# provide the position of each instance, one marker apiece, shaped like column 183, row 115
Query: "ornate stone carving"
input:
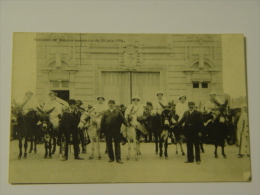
column 130, row 57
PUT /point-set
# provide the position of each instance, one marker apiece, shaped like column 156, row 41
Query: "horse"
column 219, row 127
column 164, row 131
column 30, row 123
column 131, row 135
column 91, row 122
column 152, row 123
column 48, row 131
column 17, row 121
column 175, row 133
column 233, row 116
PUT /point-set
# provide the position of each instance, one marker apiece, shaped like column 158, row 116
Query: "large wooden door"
column 145, row 85
column 122, row 86
column 116, row 86
column 200, row 94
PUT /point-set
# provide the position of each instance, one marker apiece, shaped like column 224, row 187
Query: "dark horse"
column 48, row 131
column 31, row 130
column 17, row 120
column 160, row 126
column 219, row 127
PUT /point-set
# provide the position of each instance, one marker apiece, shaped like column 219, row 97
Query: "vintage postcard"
column 128, row 108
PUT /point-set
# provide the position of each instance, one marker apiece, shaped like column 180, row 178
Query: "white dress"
column 32, row 104
column 135, row 110
column 157, row 106
column 244, row 132
column 98, row 109
column 211, row 105
column 181, row 108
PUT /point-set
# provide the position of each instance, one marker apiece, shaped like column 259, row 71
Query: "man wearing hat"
column 213, row 102
column 111, row 122
column 69, row 126
column 192, row 131
column 160, row 103
column 83, row 139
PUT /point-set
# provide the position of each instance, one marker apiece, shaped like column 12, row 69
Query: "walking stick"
column 243, row 126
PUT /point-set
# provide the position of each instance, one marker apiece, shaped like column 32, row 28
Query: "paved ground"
column 149, row 168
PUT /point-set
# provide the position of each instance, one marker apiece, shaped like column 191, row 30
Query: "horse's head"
column 44, row 117
column 16, row 113
column 166, row 116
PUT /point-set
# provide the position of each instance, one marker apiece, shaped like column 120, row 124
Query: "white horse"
column 91, row 122
column 130, row 134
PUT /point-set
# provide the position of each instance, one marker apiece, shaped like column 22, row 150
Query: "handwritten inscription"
column 80, row 40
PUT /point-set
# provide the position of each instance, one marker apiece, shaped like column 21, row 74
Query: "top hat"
column 72, row 101
column 191, row 103
column 149, row 104
column 111, row 102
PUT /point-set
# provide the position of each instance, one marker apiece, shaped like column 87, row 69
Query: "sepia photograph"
column 128, row 108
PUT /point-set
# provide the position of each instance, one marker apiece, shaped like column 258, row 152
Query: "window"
column 55, row 84
column 204, row 85
column 65, row 84
column 195, row 85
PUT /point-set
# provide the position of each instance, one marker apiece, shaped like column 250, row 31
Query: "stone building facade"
column 119, row 66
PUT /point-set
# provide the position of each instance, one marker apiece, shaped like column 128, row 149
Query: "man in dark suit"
column 111, row 122
column 69, row 126
column 192, row 130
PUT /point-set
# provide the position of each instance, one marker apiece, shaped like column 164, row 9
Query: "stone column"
column 72, row 84
column 46, row 84
column 188, row 84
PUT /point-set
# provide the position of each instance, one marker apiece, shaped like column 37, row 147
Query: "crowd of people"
column 68, row 119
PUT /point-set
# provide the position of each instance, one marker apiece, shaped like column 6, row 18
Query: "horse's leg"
column 160, row 146
column 92, row 148
column 31, row 144
column 180, row 142
column 166, row 148
column 54, row 145
column 201, row 146
column 35, row 144
column 50, row 153
column 20, row 148
column 138, row 147
column 98, row 149
column 177, row 147
column 129, row 148
column 46, row 148
column 216, row 150
column 135, row 148
column 25, row 147
column 223, row 149
column 156, row 139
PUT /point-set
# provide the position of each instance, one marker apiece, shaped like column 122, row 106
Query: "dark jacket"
column 112, row 121
column 193, row 122
column 70, row 120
